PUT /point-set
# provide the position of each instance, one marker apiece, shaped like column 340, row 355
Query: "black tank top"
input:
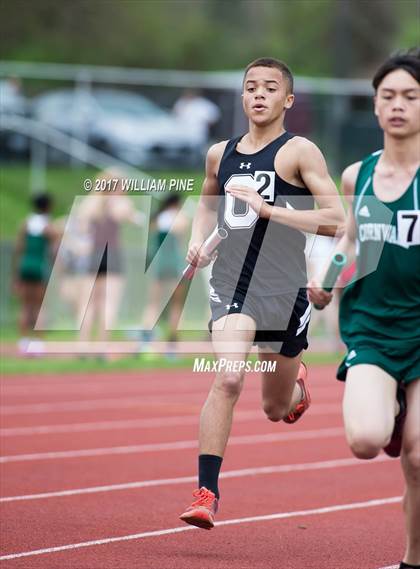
column 259, row 255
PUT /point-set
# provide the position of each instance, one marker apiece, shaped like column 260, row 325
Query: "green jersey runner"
column 34, row 264
column 380, row 309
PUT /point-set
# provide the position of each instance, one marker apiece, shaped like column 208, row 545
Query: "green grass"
column 13, row 365
column 36, row 366
column 63, row 183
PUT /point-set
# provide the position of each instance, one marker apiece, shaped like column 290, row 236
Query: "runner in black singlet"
column 261, row 188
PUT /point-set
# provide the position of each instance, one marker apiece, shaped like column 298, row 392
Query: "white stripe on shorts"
column 304, row 319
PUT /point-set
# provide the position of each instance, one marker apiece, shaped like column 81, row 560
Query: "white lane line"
column 321, row 409
column 93, row 388
column 160, row 400
column 94, row 404
column 391, row 567
column 156, row 447
column 113, row 425
column 237, row 521
column 116, row 386
column 262, row 470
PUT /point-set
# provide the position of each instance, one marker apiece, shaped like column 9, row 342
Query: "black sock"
column 208, row 472
column 408, row 566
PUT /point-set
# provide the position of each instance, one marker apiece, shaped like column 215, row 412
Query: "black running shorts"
column 282, row 321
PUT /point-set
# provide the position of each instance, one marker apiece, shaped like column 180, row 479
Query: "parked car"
column 126, row 125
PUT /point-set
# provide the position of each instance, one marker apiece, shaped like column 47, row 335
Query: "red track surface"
column 75, row 434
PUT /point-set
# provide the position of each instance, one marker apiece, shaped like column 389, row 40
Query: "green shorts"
column 402, row 365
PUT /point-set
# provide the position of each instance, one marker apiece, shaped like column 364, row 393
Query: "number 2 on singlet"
column 409, row 227
column 239, row 215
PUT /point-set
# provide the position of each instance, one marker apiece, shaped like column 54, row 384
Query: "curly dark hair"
column 277, row 64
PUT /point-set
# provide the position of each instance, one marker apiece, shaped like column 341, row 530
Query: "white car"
column 124, row 124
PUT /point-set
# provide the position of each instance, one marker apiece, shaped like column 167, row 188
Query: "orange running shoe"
column 201, row 512
column 304, row 403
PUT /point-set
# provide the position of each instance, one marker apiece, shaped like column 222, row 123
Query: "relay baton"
column 208, row 247
column 336, row 266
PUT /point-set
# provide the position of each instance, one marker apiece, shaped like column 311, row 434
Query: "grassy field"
column 37, row 366
column 63, row 183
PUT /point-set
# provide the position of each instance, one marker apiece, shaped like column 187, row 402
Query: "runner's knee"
column 230, row 383
column 411, row 461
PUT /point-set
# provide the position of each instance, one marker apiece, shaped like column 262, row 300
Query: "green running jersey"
column 381, row 307
column 34, row 264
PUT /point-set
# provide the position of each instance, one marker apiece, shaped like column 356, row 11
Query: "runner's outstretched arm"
column 205, row 218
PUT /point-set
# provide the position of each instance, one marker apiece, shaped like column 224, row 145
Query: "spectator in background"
column 11, row 99
column 74, row 257
column 168, row 226
column 12, row 103
column 35, row 247
column 104, row 213
column 197, row 114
